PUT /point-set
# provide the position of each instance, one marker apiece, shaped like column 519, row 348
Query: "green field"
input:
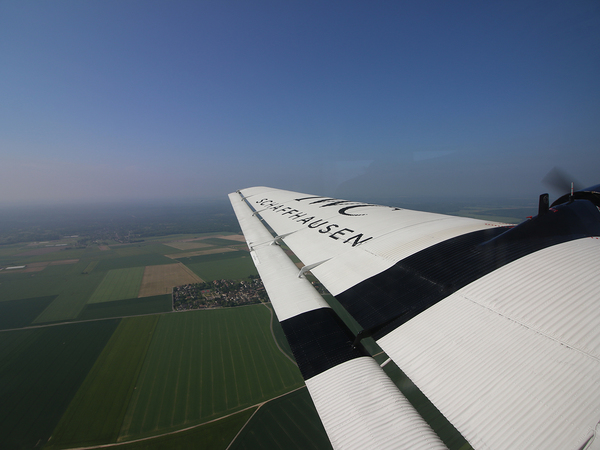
column 8, row 252
column 96, row 413
column 279, row 334
column 50, row 281
column 125, row 262
column 74, row 295
column 213, row 257
column 289, row 422
column 90, row 267
column 41, row 371
column 204, row 364
column 60, row 255
column 144, row 249
column 129, row 307
column 118, row 284
column 213, row 435
column 20, row 313
column 109, row 380
column 236, row 265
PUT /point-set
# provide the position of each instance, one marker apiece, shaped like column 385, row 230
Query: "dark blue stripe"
column 320, row 340
column 387, row 300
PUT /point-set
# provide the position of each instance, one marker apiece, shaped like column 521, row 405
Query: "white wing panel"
column 289, row 294
column 254, row 232
column 362, row 409
column 357, row 240
column 555, row 292
column 359, row 405
column 512, row 359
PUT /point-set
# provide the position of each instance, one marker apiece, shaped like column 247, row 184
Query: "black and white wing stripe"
column 358, row 404
column 499, row 326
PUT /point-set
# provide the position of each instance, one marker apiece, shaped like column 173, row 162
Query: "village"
column 218, row 294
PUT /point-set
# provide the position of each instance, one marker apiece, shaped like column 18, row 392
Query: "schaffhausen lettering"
column 326, row 227
column 306, row 219
column 317, row 223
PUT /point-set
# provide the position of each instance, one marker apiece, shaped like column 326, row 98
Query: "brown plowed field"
column 38, row 264
column 161, row 279
column 33, row 269
column 63, row 261
column 231, row 237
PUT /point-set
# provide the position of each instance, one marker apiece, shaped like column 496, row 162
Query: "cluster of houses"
column 218, row 294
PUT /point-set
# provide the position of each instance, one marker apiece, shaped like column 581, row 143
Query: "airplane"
column 498, row 325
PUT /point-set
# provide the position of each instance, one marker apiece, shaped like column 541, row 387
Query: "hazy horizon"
column 109, row 101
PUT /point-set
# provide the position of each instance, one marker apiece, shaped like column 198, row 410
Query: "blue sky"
column 120, row 100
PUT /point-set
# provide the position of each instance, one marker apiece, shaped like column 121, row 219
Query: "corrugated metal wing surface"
column 512, row 358
column 361, row 408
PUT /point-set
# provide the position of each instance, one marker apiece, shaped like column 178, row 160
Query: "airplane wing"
column 498, row 325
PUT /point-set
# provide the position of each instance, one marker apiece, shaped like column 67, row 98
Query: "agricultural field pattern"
column 97, row 352
column 93, row 354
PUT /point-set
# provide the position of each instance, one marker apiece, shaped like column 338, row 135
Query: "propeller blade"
column 558, row 180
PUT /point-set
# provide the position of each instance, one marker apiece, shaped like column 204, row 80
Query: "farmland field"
column 223, row 241
column 210, row 251
column 128, row 307
column 204, row 364
column 19, row 313
column 118, row 284
column 288, row 422
column 41, row 370
column 187, row 245
column 90, row 267
column 142, row 249
column 165, row 239
column 124, row 262
column 233, row 265
column 233, row 237
column 109, row 380
column 95, row 414
column 50, row 281
column 72, row 298
column 8, row 252
column 161, row 279
column 213, row 435
column 63, row 254
column 212, row 257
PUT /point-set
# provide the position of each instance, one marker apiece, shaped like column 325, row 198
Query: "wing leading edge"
column 358, row 404
column 498, row 326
